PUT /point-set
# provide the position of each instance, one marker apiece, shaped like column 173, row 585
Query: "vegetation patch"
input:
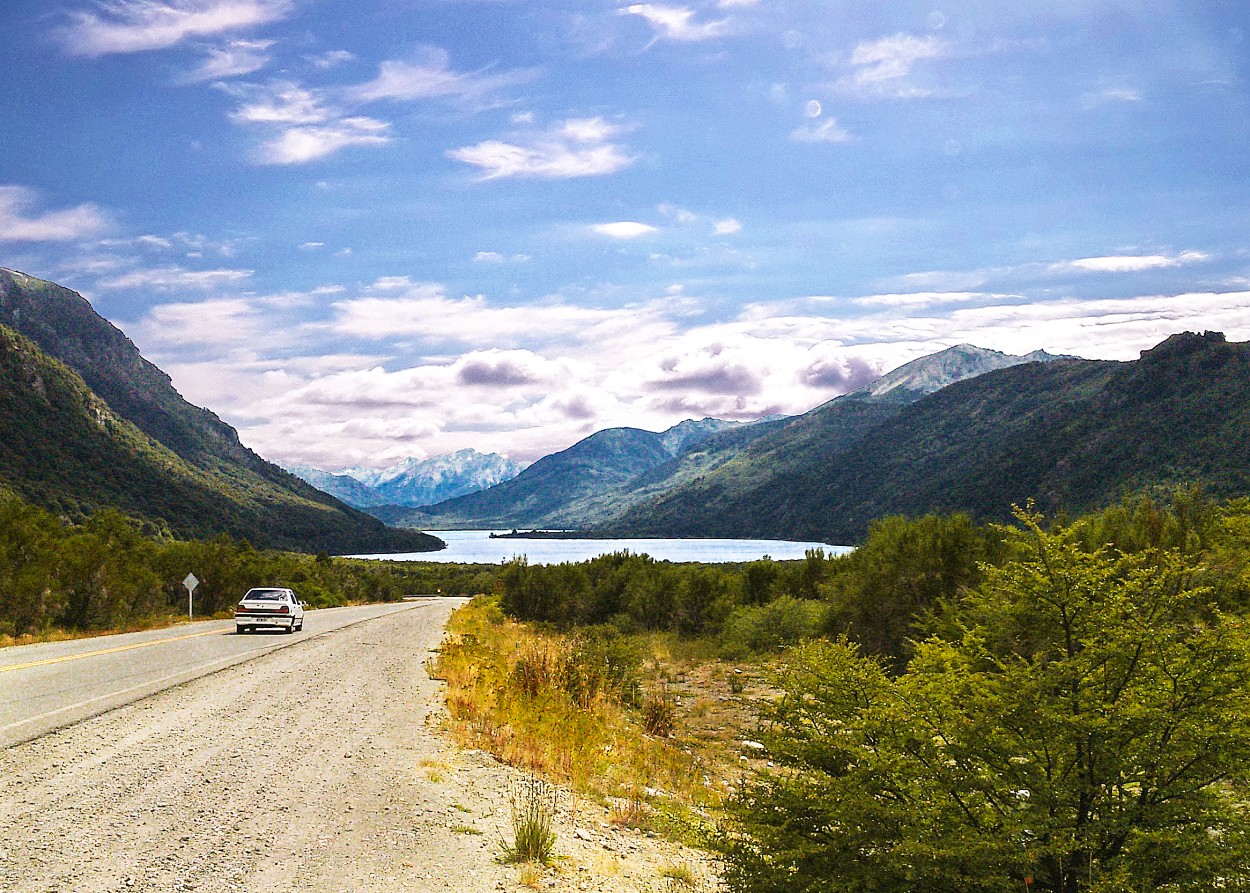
column 576, row 707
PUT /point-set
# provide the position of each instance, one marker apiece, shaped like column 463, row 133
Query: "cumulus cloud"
column 841, row 374
column 729, row 379
column 579, row 147
column 503, row 368
column 19, row 224
column 130, row 26
column 677, row 23
column 623, row 229
column 415, row 370
column 727, row 227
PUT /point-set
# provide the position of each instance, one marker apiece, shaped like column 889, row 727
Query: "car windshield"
column 265, row 595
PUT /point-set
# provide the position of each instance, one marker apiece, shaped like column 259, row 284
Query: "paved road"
column 48, row 686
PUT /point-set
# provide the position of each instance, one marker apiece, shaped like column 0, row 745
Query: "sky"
column 364, row 230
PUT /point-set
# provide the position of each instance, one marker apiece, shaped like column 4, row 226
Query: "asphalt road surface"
column 48, row 686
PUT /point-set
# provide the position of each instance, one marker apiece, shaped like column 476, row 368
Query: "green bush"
column 757, row 629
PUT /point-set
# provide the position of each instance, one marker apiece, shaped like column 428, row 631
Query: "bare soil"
column 319, row 767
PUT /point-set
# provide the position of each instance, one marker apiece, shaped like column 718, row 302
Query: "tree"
column 1085, row 730
column 905, row 570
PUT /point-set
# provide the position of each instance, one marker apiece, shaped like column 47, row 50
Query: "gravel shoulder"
column 318, row 767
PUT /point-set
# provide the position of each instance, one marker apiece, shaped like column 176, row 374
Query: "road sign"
column 190, row 582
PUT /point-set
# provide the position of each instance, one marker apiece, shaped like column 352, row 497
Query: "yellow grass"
column 504, row 695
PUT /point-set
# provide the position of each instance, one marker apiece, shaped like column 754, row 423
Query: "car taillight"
column 241, row 609
column 284, row 610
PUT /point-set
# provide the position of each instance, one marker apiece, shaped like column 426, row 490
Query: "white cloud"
column 176, row 279
column 17, row 224
column 920, row 298
column 299, row 145
column 826, row 131
column 311, row 246
column 282, row 102
column 423, row 311
column 494, row 257
column 883, row 67
column 230, row 321
column 1095, row 98
column 331, row 59
column 237, row 58
column 414, row 371
column 306, row 126
column 580, row 147
column 677, row 23
column 129, row 26
column 727, row 227
column 1130, row 263
column 623, row 229
column 432, row 77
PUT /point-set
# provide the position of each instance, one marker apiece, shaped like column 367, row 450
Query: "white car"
column 269, row 608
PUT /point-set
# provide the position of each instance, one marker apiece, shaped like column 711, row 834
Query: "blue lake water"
column 476, row 547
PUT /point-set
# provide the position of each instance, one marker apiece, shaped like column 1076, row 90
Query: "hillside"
column 589, row 485
column 87, row 423
column 692, row 502
column 1072, row 434
column 571, row 488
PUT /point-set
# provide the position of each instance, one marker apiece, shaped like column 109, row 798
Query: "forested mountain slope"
column 88, row 423
column 1071, row 434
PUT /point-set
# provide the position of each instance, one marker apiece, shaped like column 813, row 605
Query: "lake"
column 477, row 547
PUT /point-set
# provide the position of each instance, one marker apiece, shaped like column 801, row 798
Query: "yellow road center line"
column 57, row 660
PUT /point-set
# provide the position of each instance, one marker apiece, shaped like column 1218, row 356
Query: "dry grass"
column 522, row 695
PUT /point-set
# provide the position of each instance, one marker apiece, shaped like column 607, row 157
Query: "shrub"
column 755, row 629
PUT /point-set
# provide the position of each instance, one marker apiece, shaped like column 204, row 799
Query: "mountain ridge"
column 413, row 482
column 580, row 495
column 1070, row 434
column 158, row 444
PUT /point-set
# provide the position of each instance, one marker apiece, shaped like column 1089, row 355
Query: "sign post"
column 190, row 582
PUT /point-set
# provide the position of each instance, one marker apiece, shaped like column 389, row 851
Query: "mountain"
column 593, row 484
column 695, row 503
column 340, row 486
column 1071, row 434
column 413, row 482
column 570, row 488
column 88, row 423
column 911, row 381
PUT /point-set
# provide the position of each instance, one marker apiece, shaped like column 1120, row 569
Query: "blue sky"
column 361, row 230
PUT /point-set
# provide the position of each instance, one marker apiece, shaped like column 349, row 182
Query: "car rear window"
column 266, row 594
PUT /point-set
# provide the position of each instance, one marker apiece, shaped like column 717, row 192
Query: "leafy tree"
column 906, row 570
column 1085, row 730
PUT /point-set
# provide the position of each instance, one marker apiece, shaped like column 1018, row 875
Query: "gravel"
column 318, row 767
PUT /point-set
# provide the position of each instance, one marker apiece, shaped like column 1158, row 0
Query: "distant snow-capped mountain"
column 413, row 482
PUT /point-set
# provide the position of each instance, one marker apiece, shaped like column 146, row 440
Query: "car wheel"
column 290, row 629
column 240, row 630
